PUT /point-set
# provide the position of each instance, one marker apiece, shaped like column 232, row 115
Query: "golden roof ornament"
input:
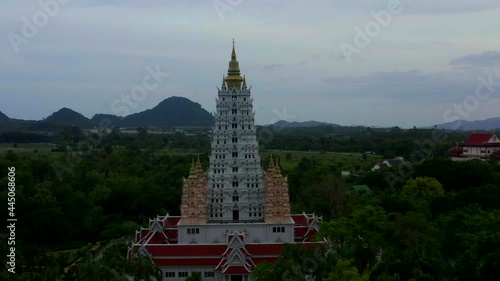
column 277, row 170
column 192, row 171
column 199, row 169
column 233, row 78
column 271, row 164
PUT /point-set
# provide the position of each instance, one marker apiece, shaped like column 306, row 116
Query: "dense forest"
column 437, row 220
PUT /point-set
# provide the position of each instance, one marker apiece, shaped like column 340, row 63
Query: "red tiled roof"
column 172, row 221
column 187, row 262
column 300, row 220
column 300, row 231
column 477, row 139
column 173, row 250
column 171, row 233
column 456, row 150
column 264, row 249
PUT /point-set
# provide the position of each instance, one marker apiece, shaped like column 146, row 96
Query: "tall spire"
column 234, row 66
column 192, row 171
column 233, row 78
column 233, row 54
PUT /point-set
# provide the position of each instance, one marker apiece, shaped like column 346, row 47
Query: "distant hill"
column 3, row 117
column 68, row 117
column 286, row 124
column 488, row 124
column 173, row 111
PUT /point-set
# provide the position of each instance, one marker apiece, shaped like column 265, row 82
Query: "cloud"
column 422, row 6
column 485, row 59
column 406, row 87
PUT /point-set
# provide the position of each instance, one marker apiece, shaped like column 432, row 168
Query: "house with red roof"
column 478, row 146
column 235, row 214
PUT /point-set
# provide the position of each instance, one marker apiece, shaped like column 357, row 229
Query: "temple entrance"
column 236, row 277
column 236, row 215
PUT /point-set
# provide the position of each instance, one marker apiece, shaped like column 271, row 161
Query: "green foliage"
column 420, row 233
column 344, row 270
column 423, row 187
column 195, row 276
column 296, row 263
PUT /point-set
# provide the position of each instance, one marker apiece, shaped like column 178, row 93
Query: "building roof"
column 458, row 150
column 363, row 188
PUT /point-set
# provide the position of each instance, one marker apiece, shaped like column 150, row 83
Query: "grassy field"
column 288, row 159
column 348, row 161
column 40, row 148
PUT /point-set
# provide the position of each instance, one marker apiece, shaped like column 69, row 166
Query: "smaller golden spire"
column 192, row 171
column 277, row 170
column 271, row 164
column 199, row 169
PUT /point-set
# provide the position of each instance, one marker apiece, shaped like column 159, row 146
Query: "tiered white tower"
column 234, row 215
column 235, row 183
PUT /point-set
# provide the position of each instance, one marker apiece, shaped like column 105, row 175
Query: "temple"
column 481, row 146
column 233, row 216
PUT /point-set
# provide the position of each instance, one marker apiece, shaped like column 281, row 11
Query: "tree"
column 331, row 197
column 295, row 263
column 142, row 133
column 360, row 237
column 423, row 187
column 493, row 159
column 344, row 270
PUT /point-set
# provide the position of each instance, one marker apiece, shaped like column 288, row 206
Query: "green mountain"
column 286, row 124
column 3, row 117
column 463, row 125
column 106, row 120
column 68, row 117
column 173, row 111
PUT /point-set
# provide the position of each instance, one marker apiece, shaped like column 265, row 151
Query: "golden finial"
column 192, row 171
column 233, row 54
column 271, row 164
column 277, row 170
column 199, row 169
column 233, row 79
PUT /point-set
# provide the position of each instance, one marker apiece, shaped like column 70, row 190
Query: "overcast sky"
column 304, row 59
